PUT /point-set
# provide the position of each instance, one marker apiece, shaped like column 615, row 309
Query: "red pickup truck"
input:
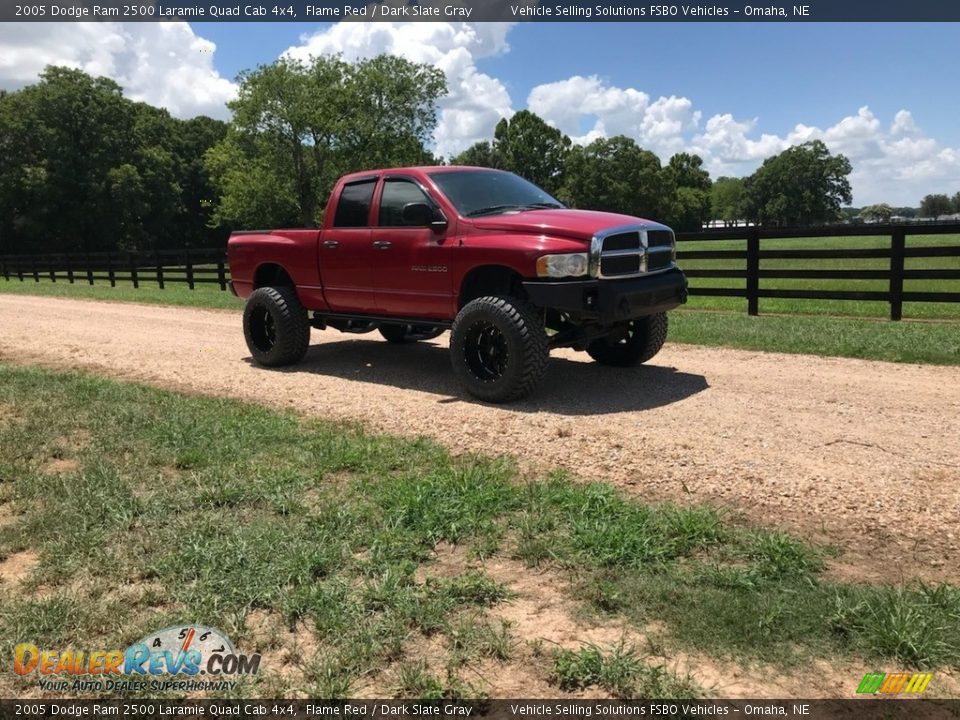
column 512, row 273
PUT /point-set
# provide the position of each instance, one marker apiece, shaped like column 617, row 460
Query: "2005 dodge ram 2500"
column 412, row 252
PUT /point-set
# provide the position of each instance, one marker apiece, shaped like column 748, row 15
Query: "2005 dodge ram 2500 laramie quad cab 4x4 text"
column 512, row 273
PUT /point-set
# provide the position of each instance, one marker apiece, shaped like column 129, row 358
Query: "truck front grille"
column 628, row 252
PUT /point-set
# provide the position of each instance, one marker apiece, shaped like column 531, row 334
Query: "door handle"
column 330, row 243
column 382, row 244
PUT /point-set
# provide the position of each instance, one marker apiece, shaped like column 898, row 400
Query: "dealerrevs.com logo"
column 180, row 658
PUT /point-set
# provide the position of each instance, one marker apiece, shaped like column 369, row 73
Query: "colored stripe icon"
column 894, row 683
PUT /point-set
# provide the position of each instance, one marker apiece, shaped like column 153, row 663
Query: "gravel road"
column 864, row 455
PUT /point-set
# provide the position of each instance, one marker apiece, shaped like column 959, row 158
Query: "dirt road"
column 865, row 455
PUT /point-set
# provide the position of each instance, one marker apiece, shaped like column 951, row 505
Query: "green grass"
column 204, row 295
column 164, row 509
column 904, row 342
column 619, row 671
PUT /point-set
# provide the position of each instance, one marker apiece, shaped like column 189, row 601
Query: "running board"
column 324, row 317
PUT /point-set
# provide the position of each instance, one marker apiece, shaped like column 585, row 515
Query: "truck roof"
column 414, row 170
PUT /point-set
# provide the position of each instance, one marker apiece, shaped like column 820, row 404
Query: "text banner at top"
column 477, row 11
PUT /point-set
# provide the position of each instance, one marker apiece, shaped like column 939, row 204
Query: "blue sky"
column 883, row 94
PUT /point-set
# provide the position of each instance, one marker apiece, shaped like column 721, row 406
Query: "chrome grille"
column 631, row 251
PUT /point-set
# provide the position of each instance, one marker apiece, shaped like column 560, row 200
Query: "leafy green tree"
column 526, row 145
column 935, row 205
column 616, row 175
column 691, row 206
column 955, row 201
column 803, row 185
column 688, row 171
column 298, row 126
column 479, row 154
column 877, row 213
column 87, row 169
column 727, row 200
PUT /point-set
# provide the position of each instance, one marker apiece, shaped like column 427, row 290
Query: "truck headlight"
column 557, row 266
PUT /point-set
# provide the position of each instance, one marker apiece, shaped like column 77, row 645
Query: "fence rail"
column 209, row 266
column 190, row 266
column 894, row 274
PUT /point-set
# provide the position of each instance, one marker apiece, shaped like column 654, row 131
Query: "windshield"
column 490, row 192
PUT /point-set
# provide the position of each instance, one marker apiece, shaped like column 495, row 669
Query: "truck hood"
column 565, row 222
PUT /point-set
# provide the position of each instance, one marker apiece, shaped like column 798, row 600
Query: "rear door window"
column 353, row 208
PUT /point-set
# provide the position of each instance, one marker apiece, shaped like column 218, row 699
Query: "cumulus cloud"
column 894, row 163
column 164, row 64
column 475, row 101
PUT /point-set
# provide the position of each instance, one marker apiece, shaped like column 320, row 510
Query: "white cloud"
column 897, row 164
column 475, row 101
column 164, row 64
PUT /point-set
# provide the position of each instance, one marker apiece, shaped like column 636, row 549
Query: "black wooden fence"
column 190, row 266
column 894, row 274
column 199, row 266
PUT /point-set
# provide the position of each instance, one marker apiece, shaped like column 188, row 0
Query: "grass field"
column 834, row 328
column 315, row 544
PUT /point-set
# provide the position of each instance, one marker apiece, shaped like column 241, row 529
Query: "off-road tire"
column 275, row 326
column 498, row 348
column 645, row 337
column 401, row 334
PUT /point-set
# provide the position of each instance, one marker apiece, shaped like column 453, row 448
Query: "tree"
column 803, row 185
column 691, row 205
column 479, row 154
column 955, row 201
column 616, row 175
column 526, row 145
column 298, row 126
column 877, row 213
column 933, row 206
column 727, row 200
column 87, row 169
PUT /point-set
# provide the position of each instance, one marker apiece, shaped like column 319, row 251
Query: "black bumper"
column 609, row 301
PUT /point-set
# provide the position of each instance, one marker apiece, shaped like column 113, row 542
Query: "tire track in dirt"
column 862, row 454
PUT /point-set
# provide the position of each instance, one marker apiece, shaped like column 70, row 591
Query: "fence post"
column 110, row 273
column 89, row 268
column 52, row 267
column 36, row 272
column 6, row 270
column 69, row 257
column 20, row 268
column 753, row 271
column 159, row 270
column 221, row 274
column 189, row 269
column 133, row 271
column 897, row 252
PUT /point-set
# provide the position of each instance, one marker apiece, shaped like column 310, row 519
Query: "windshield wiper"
column 543, row 206
column 492, row 209
column 528, row 206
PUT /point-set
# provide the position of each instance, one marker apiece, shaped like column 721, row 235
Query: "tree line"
column 84, row 168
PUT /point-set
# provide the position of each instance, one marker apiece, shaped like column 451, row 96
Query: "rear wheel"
column 498, row 348
column 275, row 326
column 400, row 334
column 631, row 344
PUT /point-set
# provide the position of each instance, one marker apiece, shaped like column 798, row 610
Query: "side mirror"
column 418, row 214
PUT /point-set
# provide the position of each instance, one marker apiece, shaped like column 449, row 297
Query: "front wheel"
column 275, row 326
column 498, row 348
column 631, row 344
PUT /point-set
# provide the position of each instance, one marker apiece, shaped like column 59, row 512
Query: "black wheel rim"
column 486, row 351
column 263, row 330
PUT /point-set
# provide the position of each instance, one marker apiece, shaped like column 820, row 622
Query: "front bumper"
column 610, row 301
